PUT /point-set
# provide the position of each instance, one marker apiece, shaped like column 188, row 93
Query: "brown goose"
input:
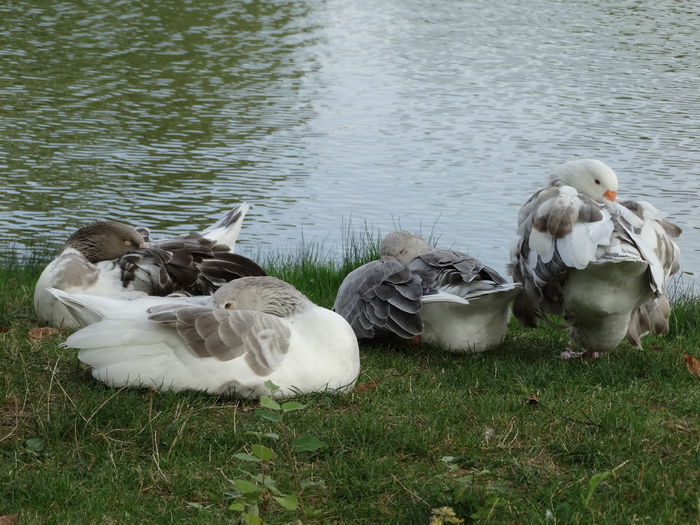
column 109, row 258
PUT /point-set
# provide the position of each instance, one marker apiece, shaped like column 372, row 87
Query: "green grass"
column 610, row 440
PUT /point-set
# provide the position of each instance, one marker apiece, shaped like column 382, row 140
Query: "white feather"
column 126, row 349
column 606, row 269
column 227, row 233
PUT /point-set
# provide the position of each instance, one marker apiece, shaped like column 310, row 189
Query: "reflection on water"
column 445, row 115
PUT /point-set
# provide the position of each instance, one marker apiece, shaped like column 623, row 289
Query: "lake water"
column 440, row 116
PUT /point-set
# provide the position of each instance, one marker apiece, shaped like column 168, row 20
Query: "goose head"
column 403, row 246
column 588, row 176
column 261, row 294
column 105, row 240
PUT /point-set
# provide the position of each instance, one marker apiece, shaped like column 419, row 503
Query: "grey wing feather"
column 381, row 298
column 650, row 318
column 542, row 282
column 446, row 267
column 191, row 264
column 227, row 334
column 145, row 270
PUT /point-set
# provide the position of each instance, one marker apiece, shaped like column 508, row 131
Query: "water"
column 440, row 116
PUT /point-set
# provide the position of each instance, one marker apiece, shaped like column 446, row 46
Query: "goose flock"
column 187, row 313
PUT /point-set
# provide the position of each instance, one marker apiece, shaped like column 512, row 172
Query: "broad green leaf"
column 237, row 506
column 271, row 484
column 465, row 480
column 270, row 403
column 288, row 502
column 596, row 479
column 246, row 457
column 307, row 443
column 271, row 386
column 246, row 487
column 34, row 445
column 307, row 483
column 271, row 435
column 271, row 416
column 263, row 452
column 449, row 462
column 486, row 508
column 290, row 406
column 257, row 477
column 251, row 519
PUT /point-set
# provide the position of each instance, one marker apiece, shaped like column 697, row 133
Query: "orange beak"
column 610, row 195
column 143, row 246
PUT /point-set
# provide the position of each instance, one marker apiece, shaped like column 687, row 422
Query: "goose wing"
column 192, row 264
column 462, row 273
column 653, row 236
column 262, row 339
column 381, row 298
column 558, row 230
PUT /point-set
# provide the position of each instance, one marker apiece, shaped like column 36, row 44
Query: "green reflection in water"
column 148, row 102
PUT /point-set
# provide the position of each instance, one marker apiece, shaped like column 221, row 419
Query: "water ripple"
column 442, row 116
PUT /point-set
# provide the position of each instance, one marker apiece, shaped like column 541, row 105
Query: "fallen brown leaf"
column 692, row 364
column 35, row 334
column 532, row 399
column 369, row 386
column 11, row 519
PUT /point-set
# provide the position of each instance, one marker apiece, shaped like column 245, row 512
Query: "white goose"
column 252, row 330
column 601, row 264
column 109, row 258
column 418, row 292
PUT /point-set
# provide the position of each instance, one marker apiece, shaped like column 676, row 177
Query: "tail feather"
column 650, row 318
column 226, row 230
column 126, row 354
column 86, row 309
column 507, row 291
column 443, row 297
column 128, row 306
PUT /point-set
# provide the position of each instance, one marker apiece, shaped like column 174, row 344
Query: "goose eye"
column 128, row 243
column 228, row 306
column 597, row 181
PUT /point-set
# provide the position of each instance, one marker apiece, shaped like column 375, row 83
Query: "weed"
column 257, row 488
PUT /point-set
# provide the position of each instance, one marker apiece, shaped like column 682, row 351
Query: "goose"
column 601, row 264
column 419, row 293
column 110, row 258
column 250, row 331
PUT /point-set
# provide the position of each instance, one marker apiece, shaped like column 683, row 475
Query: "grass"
column 511, row 436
